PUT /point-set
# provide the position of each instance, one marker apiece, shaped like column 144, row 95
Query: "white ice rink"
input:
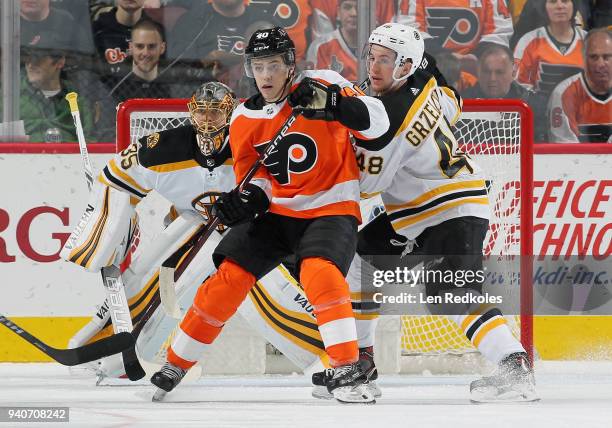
column 572, row 395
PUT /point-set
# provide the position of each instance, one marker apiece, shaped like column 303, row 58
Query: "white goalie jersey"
column 417, row 167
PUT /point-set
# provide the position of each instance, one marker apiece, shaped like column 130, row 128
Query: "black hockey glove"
column 314, row 100
column 236, row 207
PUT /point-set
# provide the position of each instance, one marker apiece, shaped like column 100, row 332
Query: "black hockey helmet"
column 269, row 42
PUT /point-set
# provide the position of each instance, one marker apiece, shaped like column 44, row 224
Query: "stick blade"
column 133, row 369
column 94, row 351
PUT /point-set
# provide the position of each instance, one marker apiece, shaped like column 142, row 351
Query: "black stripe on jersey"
column 314, row 342
column 457, row 195
column 95, row 235
column 110, row 177
column 482, row 321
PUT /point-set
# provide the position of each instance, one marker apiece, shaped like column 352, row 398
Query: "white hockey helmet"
column 406, row 41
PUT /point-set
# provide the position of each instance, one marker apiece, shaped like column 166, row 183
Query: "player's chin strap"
column 288, row 80
column 111, row 275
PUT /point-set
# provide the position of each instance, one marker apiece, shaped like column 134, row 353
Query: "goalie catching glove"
column 314, row 100
column 241, row 206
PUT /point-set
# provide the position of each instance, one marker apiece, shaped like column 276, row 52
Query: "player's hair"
column 145, row 23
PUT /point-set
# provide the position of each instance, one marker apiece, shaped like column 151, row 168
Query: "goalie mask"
column 407, row 43
column 211, row 108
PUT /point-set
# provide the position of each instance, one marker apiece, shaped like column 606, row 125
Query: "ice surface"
column 573, row 395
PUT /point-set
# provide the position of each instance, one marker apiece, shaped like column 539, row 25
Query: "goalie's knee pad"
column 96, row 240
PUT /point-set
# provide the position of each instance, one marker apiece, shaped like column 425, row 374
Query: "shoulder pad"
column 169, row 146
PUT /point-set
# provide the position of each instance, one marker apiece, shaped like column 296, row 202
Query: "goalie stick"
column 111, row 275
column 83, row 354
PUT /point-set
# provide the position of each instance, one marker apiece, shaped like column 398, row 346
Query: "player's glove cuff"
column 314, row 100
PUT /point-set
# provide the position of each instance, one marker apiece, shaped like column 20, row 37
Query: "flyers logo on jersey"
column 287, row 13
column 295, row 154
column 456, row 25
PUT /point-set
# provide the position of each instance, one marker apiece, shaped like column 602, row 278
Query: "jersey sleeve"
column 563, row 128
column 364, row 116
column 124, row 173
column 524, row 62
column 498, row 23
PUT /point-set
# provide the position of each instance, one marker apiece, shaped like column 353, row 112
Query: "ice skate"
column 366, row 358
column 166, row 379
column 346, row 385
column 513, row 381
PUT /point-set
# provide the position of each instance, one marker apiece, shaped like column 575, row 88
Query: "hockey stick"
column 111, row 275
column 71, row 357
column 167, row 273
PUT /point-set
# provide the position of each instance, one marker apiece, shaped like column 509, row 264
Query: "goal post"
column 498, row 135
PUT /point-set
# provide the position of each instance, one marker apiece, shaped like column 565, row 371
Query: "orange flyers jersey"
column 314, row 171
column 293, row 16
column 459, row 25
column 541, row 65
column 325, row 13
column 579, row 115
column 331, row 52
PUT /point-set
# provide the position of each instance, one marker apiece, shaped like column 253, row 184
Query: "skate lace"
column 173, row 372
column 343, row 370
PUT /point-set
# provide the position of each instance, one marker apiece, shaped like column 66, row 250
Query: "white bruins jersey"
column 170, row 163
column 417, row 167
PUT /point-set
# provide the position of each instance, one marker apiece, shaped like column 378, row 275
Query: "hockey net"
column 497, row 135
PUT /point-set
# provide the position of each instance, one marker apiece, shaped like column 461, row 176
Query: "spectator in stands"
column 324, row 15
column 337, row 50
column 533, row 15
column 461, row 26
column 549, row 54
column 43, row 107
column 38, row 17
column 207, row 42
column 495, row 70
column 112, row 30
column 147, row 45
column 449, row 66
column 581, row 106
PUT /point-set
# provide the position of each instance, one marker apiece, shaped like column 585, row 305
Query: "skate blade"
column 321, row 393
column 493, row 395
column 353, row 395
column 373, row 388
column 159, row 395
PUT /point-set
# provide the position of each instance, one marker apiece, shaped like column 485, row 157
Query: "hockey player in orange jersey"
column 304, row 202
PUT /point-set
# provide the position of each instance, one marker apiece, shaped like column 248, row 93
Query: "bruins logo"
column 204, row 203
column 152, row 140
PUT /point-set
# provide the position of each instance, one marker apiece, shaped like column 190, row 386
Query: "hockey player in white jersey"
column 188, row 165
column 435, row 197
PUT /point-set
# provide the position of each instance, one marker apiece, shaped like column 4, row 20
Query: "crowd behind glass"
column 540, row 51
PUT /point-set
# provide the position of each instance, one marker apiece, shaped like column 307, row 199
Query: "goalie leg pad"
column 328, row 292
column 278, row 309
column 95, row 241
